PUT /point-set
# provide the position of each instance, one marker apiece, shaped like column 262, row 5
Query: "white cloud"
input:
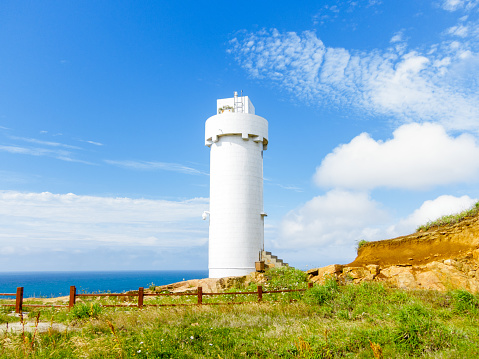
column 327, row 228
column 330, row 12
column 430, row 211
column 467, row 31
column 418, row 156
column 459, row 30
column 40, row 148
column 430, row 91
column 92, row 142
column 436, row 85
column 337, row 219
column 164, row 166
column 22, row 150
column 62, row 155
column 69, row 220
column 453, row 5
column 45, row 143
column 290, row 188
column 398, row 37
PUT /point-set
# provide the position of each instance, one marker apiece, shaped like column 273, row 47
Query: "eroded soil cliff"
column 441, row 259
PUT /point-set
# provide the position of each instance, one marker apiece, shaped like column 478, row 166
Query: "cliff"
column 444, row 258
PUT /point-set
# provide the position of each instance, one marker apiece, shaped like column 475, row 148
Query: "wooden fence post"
column 200, row 295
column 260, row 293
column 19, row 300
column 73, row 293
column 141, row 293
column 310, row 285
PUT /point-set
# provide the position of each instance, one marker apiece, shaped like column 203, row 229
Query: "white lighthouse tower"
column 237, row 138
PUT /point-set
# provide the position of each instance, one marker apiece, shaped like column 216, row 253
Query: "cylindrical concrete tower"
column 237, row 138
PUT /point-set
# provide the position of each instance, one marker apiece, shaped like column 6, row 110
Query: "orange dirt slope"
column 450, row 241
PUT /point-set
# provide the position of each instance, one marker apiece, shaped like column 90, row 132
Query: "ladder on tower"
column 239, row 103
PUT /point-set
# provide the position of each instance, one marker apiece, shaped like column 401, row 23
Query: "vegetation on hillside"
column 368, row 320
column 360, row 243
column 450, row 219
column 285, row 278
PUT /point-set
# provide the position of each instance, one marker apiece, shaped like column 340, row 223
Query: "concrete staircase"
column 271, row 261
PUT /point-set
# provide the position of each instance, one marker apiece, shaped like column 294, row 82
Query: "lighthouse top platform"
column 235, row 104
column 236, row 116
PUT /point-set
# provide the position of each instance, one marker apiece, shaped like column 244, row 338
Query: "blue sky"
column 373, row 110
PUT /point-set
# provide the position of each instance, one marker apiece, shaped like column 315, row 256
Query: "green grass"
column 286, row 278
column 85, row 310
column 328, row 321
column 450, row 219
column 360, row 243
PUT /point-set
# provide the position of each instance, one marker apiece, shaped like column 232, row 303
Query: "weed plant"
column 367, row 320
column 465, row 302
column 323, row 294
column 286, row 278
column 5, row 315
column 360, row 243
column 85, row 310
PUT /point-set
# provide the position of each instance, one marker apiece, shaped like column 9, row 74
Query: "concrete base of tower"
column 230, row 272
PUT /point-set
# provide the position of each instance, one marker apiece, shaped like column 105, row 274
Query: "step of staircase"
column 272, row 261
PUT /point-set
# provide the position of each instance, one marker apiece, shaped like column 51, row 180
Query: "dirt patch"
column 31, row 327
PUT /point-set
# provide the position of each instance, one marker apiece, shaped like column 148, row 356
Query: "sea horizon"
column 57, row 283
column 100, row 270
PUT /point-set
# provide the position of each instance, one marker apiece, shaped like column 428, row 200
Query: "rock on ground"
column 212, row 285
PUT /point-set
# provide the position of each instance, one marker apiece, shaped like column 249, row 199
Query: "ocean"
column 56, row 284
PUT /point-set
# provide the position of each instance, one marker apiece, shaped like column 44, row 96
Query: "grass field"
column 330, row 321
